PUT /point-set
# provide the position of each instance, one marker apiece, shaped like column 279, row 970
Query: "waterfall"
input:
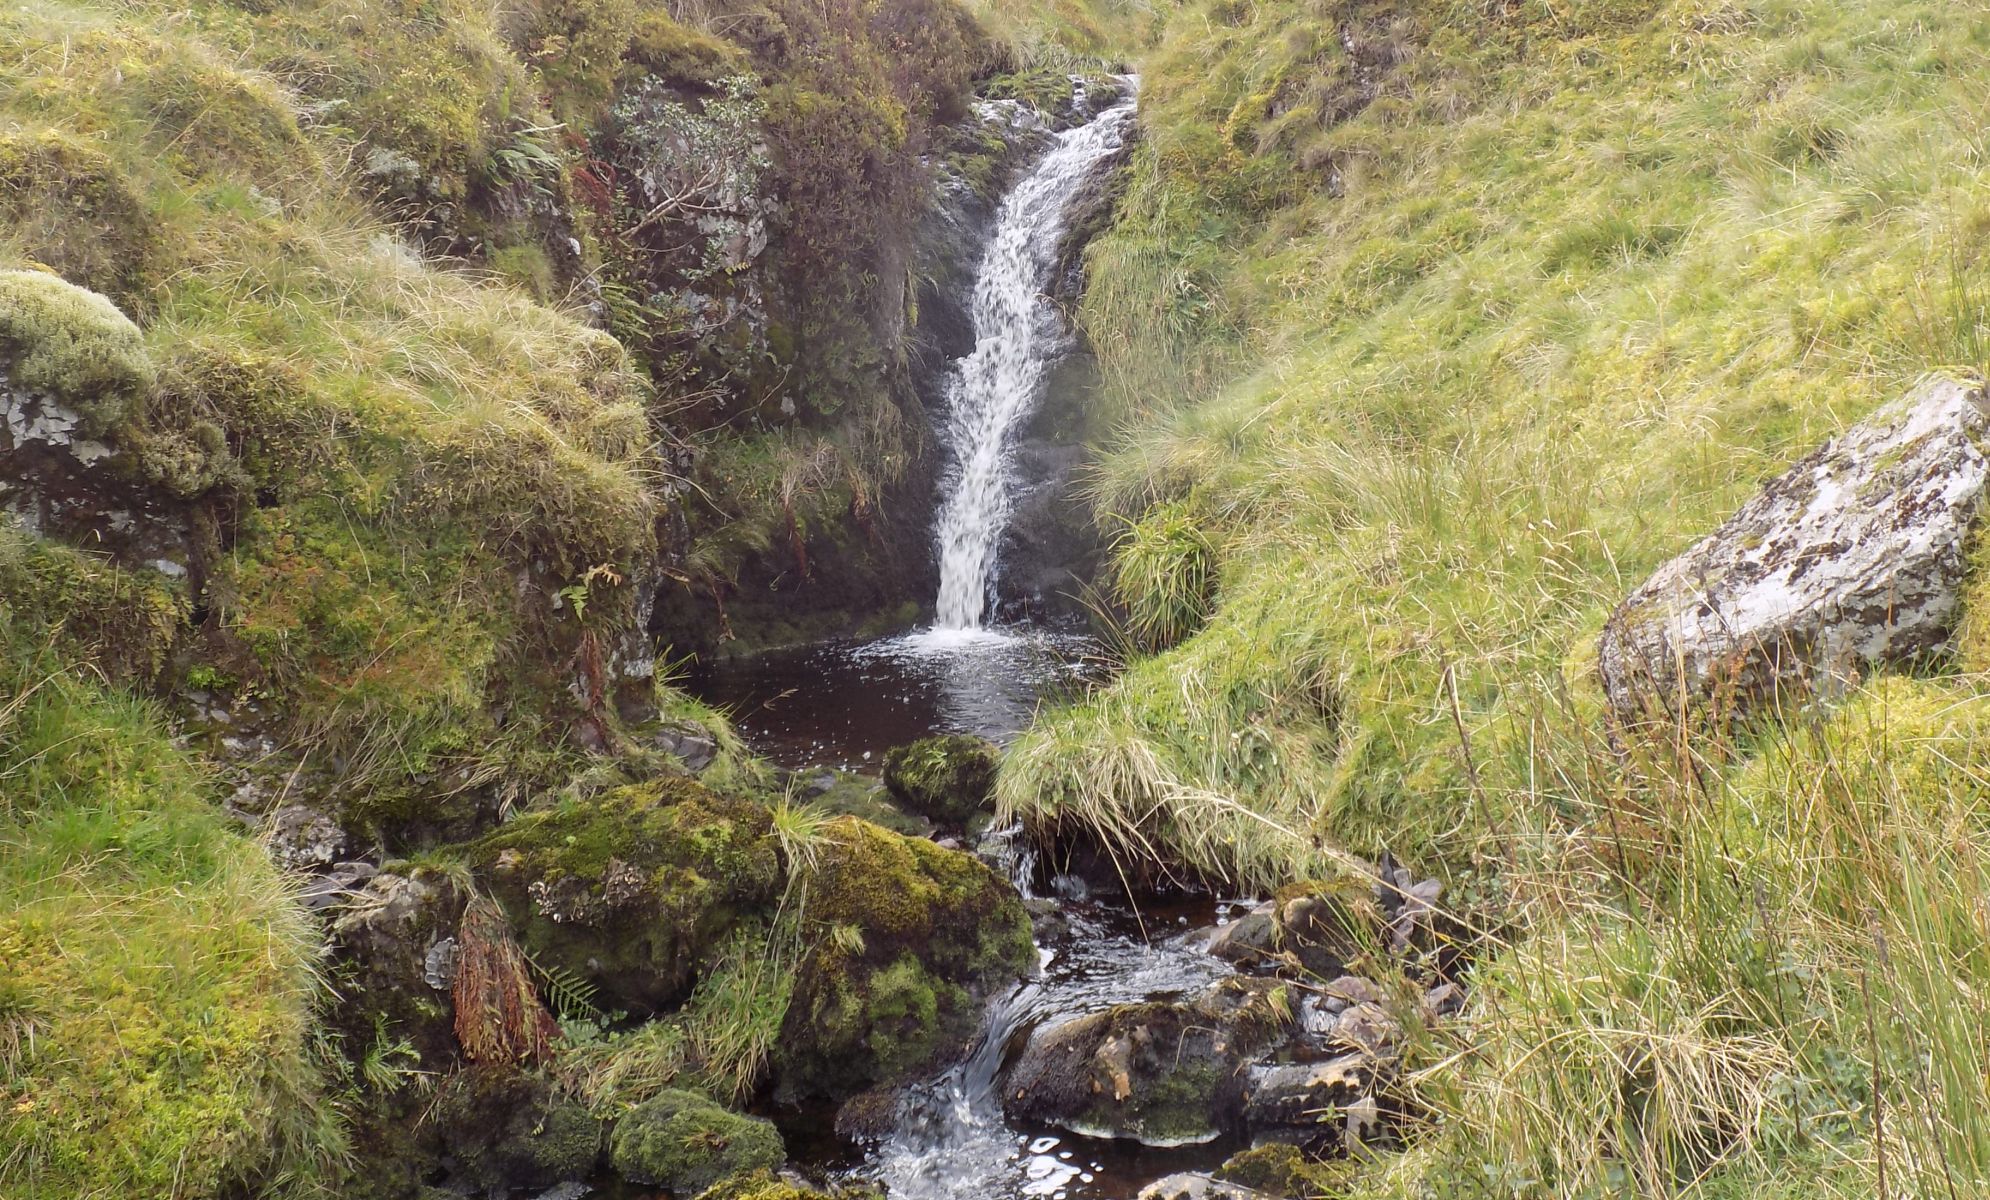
column 1018, row 336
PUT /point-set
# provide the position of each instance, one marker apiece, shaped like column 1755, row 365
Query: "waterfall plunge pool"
column 842, row 704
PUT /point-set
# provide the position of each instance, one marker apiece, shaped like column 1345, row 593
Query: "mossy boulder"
column 66, row 342
column 632, row 889
column 511, row 1130
column 682, row 1141
column 949, row 779
column 914, row 938
column 1164, row 1073
column 1284, row 1172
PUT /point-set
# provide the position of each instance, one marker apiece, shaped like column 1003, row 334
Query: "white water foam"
column 1018, row 336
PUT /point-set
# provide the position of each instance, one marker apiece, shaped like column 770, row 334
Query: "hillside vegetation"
column 1433, row 328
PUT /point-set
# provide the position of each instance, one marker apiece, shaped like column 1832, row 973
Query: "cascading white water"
column 1018, row 336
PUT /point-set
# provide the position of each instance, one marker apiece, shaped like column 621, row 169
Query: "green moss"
column 634, row 889
column 949, row 778
column 156, row 1009
column 686, row 1143
column 72, row 344
column 125, row 621
column 912, row 937
column 70, row 207
column 1284, row 1173
column 763, row 1185
column 681, row 54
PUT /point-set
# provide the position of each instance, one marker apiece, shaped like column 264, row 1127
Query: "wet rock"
column 631, row 890
column 690, row 743
column 1297, row 1101
column 1281, row 1171
column 1190, row 1186
column 1349, row 990
column 916, row 938
column 948, row 779
column 1163, row 1073
column 382, row 944
column 766, row 1185
column 1320, row 932
column 1852, row 559
column 1248, row 940
column 682, row 1141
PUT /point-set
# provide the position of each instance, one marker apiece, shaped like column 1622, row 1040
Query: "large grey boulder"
column 1851, row 559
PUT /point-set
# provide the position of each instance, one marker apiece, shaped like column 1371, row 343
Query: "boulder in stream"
column 949, row 779
column 1164, row 1073
column 686, row 1143
column 1851, row 559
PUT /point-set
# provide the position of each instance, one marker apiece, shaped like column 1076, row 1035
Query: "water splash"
column 1018, row 336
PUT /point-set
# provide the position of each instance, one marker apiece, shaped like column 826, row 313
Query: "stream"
column 842, row 704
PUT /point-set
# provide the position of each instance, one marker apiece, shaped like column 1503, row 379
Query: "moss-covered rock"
column 765, row 1185
column 511, row 1130
column 949, row 778
column 632, row 889
column 683, row 1141
column 72, row 344
column 914, row 938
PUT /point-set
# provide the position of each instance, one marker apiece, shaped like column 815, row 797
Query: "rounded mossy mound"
column 73, row 344
column 914, row 937
column 631, row 890
column 71, row 208
column 684, row 1142
column 949, row 779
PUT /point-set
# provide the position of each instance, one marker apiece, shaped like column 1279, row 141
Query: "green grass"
column 156, row 1034
column 1447, row 340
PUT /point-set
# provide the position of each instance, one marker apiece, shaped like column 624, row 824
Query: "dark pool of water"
column 844, row 703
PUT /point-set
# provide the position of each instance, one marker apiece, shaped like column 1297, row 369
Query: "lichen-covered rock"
column 1163, row 1073
column 1307, row 1103
column 632, row 889
column 683, row 1141
column 1281, row 1170
column 948, row 779
column 912, row 940
column 1849, row 560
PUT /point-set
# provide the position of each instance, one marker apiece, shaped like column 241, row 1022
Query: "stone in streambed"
column 1852, row 559
column 913, row 940
column 948, row 779
column 1248, row 940
column 1162, row 1073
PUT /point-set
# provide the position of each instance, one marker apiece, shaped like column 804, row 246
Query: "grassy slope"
column 1435, row 385
column 156, row 998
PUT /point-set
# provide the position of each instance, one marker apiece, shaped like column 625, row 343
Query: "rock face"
column 1851, row 559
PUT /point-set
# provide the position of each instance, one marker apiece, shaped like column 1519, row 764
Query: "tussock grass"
column 156, row 1030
